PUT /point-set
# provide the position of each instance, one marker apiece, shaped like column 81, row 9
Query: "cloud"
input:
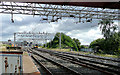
column 86, row 37
column 83, row 31
column 68, row 25
column 19, row 19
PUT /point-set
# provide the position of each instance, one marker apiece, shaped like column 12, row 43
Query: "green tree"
column 77, row 43
column 109, row 46
column 66, row 41
column 107, row 27
column 82, row 46
column 115, row 42
column 97, row 44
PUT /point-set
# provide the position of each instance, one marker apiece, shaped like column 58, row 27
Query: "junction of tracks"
column 66, row 63
column 47, row 62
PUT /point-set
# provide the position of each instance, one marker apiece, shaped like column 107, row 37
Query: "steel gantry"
column 52, row 13
column 34, row 37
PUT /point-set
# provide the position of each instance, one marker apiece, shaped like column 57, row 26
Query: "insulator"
column 12, row 20
column 72, row 16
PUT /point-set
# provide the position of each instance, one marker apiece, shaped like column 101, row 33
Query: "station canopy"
column 53, row 10
column 112, row 4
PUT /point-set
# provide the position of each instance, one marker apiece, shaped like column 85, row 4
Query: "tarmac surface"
column 29, row 67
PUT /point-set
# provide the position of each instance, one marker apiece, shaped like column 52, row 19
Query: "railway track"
column 80, row 69
column 74, row 67
column 87, row 63
column 39, row 64
column 52, row 67
column 89, row 56
column 114, row 60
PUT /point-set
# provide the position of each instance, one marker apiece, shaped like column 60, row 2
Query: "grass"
column 107, row 55
column 56, row 49
column 81, row 52
column 67, row 50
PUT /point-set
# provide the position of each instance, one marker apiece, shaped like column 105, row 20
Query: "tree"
column 66, row 41
column 109, row 31
column 107, row 27
column 77, row 43
column 109, row 46
column 82, row 46
column 97, row 44
column 116, row 42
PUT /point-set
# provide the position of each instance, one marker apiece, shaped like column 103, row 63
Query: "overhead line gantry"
column 55, row 12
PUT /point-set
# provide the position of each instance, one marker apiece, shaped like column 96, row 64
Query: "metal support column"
column 45, row 43
column 14, row 38
column 60, row 41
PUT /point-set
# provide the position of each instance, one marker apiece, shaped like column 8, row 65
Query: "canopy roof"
column 113, row 4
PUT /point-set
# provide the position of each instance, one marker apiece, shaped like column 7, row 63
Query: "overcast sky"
column 85, row 32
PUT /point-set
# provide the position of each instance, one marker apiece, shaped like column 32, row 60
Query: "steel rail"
column 69, row 58
column 58, row 64
column 77, row 54
column 40, row 64
column 92, row 56
column 78, row 59
column 81, row 61
column 86, row 65
column 81, row 64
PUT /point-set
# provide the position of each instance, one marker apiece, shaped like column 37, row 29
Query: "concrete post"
column 45, row 43
column 14, row 38
column 60, row 41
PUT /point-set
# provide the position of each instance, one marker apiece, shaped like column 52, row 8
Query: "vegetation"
column 77, row 43
column 97, row 45
column 110, row 44
column 57, row 49
column 82, row 46
column 81, row 52
column 107, row 27
column 106, row 46
column 66, row 42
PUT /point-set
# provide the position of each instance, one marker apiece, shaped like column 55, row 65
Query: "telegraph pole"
column 14, row 38
column 60, row 41
column 45, row 43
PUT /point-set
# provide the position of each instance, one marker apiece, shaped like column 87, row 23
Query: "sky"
column 85, row 32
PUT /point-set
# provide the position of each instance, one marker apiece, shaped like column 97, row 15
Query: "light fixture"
column 52, row 20
column 72, row 16
column 12, row 18
column 45, row 19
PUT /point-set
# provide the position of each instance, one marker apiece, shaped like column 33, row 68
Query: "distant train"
column 36, row 46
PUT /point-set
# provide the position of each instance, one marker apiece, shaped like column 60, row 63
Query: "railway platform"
column 29, row 67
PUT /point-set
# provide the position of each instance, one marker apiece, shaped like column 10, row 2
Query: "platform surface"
column 29, row 67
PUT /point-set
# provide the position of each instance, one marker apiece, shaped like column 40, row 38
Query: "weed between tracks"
column 81, row 52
